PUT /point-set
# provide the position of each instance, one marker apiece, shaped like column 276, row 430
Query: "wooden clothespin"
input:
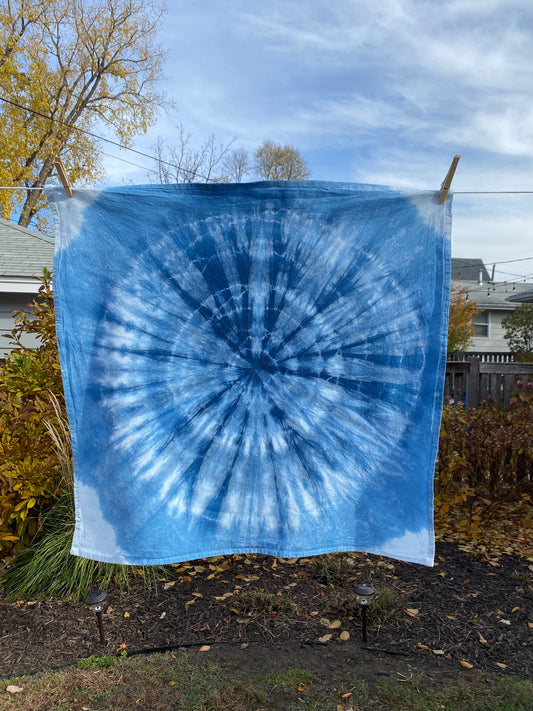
column 447, row 182
column 62, row 173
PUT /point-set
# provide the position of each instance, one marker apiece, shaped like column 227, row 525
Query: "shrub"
column 30, row 393
column 486, row 454
column 46, row 568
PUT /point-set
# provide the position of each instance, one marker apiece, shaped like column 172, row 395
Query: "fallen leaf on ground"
column 423, row 646
column 14, row 689
column 167, row 586
column 466, row 664
column 335, row 625
column 225, row 596
column 344, row 636
column 438, row 651
column 482, row 639
column 302, row 687
column 244, row 645
column 411, row 611
column 325, row 638
column 204, row 648
column 505, row 622
column 126, row 614
column 501, row 665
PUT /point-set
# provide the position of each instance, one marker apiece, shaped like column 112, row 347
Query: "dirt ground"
column 261, row 612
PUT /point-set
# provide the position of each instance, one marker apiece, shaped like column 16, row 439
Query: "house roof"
column 496, row 296
column 23, row 254
column 469, row 269
column 523, row 298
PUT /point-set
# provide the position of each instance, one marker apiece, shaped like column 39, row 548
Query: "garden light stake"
column 95, row 600
column 364, row 592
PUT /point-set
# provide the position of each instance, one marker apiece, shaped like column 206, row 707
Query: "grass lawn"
column 192, row 683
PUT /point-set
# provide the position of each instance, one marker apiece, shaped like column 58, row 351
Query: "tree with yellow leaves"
column 78, row 67
column 461, row 320
column 272, row 161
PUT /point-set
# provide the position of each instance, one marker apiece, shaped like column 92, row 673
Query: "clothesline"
column 491, row 192
column 455, row 192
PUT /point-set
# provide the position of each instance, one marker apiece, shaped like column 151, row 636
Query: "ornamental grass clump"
column 46, row 568
column 36, row 476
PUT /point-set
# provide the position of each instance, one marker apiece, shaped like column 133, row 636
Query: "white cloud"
column 373, row 92
column 507, row 129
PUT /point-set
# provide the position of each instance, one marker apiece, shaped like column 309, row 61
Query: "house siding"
column 495, row 341
column 8, row 303
column 492, row 298
column 23, row 254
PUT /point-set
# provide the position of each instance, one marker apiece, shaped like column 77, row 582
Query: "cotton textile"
column 252, row 368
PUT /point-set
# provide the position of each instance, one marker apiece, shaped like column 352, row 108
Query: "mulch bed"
column 464, row 611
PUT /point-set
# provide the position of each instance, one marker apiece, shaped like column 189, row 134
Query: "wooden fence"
column 472, row 381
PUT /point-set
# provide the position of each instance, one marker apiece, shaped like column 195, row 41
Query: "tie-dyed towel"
column 252, row 368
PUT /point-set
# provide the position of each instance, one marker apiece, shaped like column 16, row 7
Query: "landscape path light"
column 95, row 600
column 364, row 592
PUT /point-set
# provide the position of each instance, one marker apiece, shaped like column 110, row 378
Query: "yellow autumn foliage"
column 78, row 68
column 461, row 319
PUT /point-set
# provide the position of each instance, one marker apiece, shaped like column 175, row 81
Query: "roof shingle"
column 24, row 252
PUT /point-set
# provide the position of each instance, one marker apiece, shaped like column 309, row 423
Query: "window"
column 481, row 325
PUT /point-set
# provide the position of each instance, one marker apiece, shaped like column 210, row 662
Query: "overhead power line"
column 191, row 172
column 106, row 140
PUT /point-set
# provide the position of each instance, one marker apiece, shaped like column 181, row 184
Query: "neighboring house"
column 23, row 255
column 523, row 298
column 469, row 270
column 497, row 299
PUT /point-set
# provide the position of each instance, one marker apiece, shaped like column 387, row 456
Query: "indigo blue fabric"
column 252, row 368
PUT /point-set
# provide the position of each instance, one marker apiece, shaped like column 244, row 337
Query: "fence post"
column 472, row 384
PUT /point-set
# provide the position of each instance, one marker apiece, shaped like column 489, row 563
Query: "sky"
column 369, row 92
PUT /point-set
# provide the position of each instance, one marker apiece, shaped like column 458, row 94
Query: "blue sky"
column 374, row 92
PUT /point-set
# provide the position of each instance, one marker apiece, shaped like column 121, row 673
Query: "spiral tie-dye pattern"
column 247, row 366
